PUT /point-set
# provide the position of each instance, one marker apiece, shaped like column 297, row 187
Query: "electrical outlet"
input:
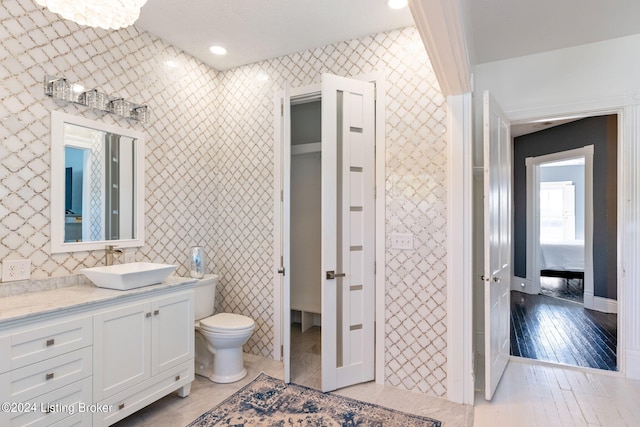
column 16, row 269
column 401, row 241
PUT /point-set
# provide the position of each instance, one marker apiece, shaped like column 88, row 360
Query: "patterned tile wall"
column 129, row 63
column 415, row 190
column 209, row 165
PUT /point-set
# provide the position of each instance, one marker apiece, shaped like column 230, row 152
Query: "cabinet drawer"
column 43, row 342
column 55, row 406
column 129, row 401
column 43, row 377
column 5, row 353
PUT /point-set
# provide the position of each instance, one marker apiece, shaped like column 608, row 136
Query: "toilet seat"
column 227, row 323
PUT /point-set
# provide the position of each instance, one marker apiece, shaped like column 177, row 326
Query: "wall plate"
column 16, row 269
column 401, row 241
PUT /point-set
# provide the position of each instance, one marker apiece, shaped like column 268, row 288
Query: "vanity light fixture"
column 107, row 14
column 218, row 50
column 397, row 4
column 63, row 90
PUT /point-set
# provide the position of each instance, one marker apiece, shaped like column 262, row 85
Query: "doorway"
column 570, row 246
column 335, row 171
column 306, row 235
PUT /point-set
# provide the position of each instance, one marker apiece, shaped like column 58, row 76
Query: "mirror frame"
column 58, row 245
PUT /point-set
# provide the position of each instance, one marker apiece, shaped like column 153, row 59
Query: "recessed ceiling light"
column 218, row 50
column 396, row 4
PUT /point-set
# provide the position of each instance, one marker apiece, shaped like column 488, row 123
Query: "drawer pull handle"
column 50, row 342
column 121, row 406
column 49, row 376
column 177, row 377
column 148, row 315
column 156, row 312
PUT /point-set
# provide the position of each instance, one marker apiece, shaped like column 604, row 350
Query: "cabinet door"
column 172, row 331
column 121, row 349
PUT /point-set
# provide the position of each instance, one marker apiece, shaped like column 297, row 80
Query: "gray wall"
column 601, row 132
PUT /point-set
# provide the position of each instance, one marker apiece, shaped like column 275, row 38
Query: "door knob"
column 332, row 275
column 496, row 279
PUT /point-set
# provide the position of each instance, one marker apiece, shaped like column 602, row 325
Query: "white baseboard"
column 632, row 364
column 522, row 284
column 604, row 305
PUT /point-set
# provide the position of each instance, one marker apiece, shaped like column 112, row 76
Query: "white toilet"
column 219, row 338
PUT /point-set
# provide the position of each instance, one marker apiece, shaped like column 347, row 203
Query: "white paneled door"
column 347, row 223
column 348, row 231
column 497, row 242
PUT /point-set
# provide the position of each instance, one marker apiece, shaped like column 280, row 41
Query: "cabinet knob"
column 148, row 315
column 121, row 406
column 50, row 342
column 49, row 376
column 177, row 377
column 156, row 312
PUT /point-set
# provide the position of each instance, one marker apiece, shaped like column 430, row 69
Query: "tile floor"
column 306, row 360
column 531, row 394
column 173, row 411
column 535, row 394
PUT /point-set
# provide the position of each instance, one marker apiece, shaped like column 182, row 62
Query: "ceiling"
column 502, row 29
column 254, row 30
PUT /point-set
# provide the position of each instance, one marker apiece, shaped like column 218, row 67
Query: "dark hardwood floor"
column 555, row 330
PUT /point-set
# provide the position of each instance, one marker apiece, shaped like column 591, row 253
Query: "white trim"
column 628, row 112
column 459, row 254
column 533, row 221
column 440, row 28
column 380, row 222
column 277, row 228
column 605, row 305
column 517, row 282
column 58, row 245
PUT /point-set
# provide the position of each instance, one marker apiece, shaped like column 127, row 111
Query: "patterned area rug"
column 269, row 402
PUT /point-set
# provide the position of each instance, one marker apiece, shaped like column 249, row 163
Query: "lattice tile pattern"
column 127, row 63
column 209, row 165
column 416, row 194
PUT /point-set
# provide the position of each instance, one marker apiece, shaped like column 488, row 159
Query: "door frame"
column 627, row 127
column 281, row 301
column 627, row 109
column 533, row 223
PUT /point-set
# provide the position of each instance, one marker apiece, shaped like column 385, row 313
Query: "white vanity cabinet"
column 143, row 350
column 49, row 368
column 82, row 356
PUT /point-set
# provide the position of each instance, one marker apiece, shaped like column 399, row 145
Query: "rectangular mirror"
column 97, row 185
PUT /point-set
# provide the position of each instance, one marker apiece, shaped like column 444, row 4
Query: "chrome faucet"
column 111, row 250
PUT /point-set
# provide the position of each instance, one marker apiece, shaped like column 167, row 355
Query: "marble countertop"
column 26, row 305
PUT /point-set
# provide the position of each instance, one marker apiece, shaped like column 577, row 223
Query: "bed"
column 562, row 259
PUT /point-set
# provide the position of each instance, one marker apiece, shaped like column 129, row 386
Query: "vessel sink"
column 128, row 276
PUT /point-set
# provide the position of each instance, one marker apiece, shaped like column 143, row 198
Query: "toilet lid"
column 226, row 322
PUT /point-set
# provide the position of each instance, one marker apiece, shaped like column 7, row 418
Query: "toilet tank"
column 205, row 296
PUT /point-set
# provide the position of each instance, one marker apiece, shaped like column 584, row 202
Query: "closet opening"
column 306, row 269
